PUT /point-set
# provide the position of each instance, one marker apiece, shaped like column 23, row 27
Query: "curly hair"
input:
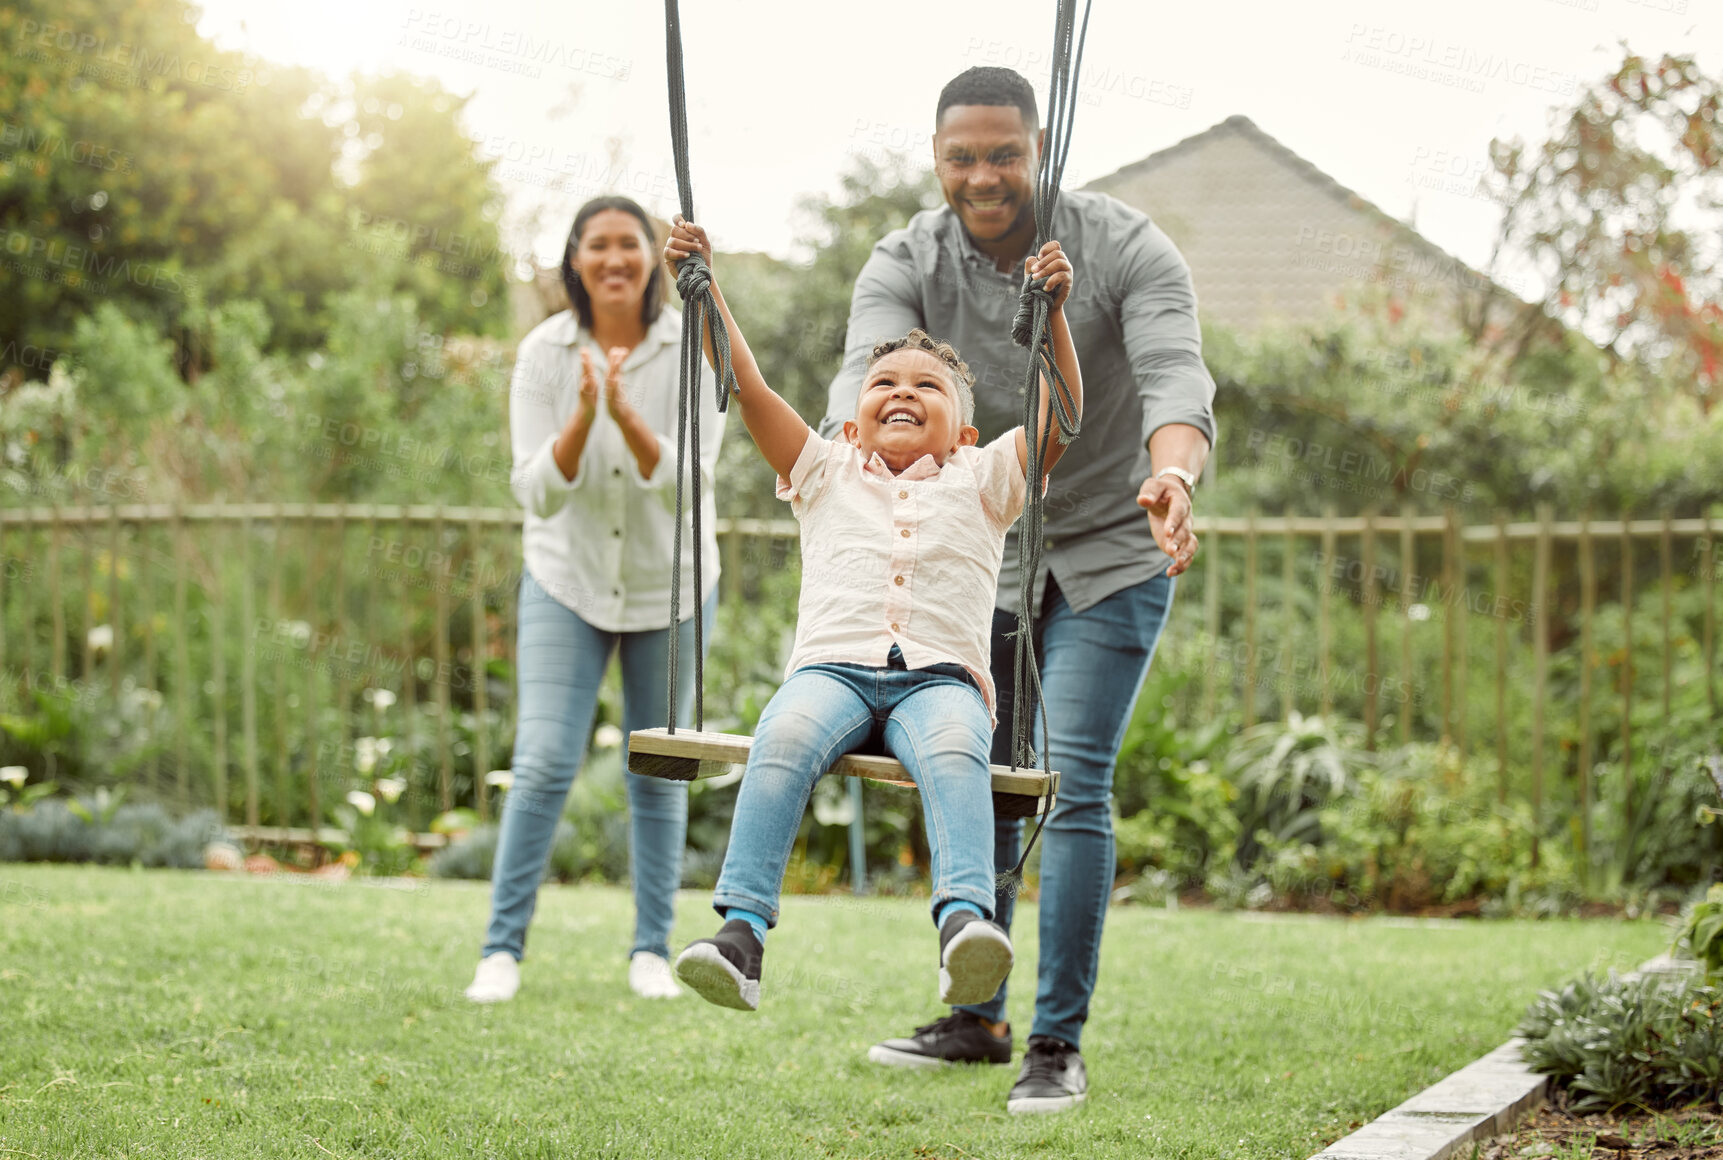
column 989, row 85
column 919, row 339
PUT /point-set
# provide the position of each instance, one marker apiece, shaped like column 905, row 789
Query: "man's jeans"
column 561, row 664
column 1092, row 668
column 933, row 720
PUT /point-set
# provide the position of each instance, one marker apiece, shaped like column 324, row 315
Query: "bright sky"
column 1397, row 101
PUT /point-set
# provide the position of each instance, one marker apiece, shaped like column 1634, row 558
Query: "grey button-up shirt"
column 1133, row 319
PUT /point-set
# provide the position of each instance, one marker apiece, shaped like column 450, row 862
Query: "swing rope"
column 1030, row 329
column 699, row 311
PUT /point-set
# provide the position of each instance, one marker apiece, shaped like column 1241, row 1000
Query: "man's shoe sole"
column 1036, row 1105
column 892, row 1057
column 975, row 963
column 715, row 979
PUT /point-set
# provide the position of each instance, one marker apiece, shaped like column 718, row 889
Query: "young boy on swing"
column 903, row 523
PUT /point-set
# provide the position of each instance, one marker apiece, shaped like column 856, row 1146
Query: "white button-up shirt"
column 600, row 544
column 909, row 559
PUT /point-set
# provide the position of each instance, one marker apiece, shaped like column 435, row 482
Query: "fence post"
column 1450, row 612
column 1502, row 660
column 445, row 760
column 248, row 670
column 218, row 674
column 1665, row 556
column 56, row 597
column 87, row 674
column 1211, row 621
column 1290, row 626
column 481, row 696
column 1325, row 619
column 313, row 741
column 283, row 801
column 1408, row 561
column 182, row 663
column 1372, row 678
column 1250, row 620
column 1708, row 577
column 1626, row 670
column 1540, row 643
column 338, row 670
column 1462, row 644
column 5, row 591
column 1587, row 607
column 146, row 579
column 116, row 621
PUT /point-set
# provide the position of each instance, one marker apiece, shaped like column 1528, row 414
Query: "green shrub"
column 1655, row 1040
column 87, row 830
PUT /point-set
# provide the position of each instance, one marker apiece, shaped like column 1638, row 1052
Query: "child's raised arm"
column 778, row 431
column 1052, row 264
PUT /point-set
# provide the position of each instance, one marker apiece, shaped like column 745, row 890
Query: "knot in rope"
column 693, row 277
column 1034, row 299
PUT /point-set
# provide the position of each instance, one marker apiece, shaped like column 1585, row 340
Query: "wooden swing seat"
column 688, row 756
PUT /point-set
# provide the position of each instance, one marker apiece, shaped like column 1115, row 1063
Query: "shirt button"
column 905, row 533
column 1048, row 544
column 903, row 495
column 616, row 592
column 616, row 471
column 894, row 628
column 898, row 580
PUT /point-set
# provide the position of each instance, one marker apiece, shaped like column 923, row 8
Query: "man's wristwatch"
column 1180, row 474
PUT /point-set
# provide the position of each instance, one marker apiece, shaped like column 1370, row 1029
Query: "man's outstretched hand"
column 1169, row 508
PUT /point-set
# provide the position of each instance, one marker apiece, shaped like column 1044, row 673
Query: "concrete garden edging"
column 1488, row 1097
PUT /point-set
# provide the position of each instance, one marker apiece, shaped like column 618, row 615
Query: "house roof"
column 1239, row 235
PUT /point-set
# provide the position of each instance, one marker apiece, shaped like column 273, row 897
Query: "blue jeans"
column 1092, row 668
column 933, row 720
column 562, row 662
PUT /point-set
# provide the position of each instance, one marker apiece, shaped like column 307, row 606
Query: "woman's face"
column 614, row 260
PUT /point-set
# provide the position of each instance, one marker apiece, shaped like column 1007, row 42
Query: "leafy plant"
column 1286, row 771
column 1702, row 935
column 1614, row 1041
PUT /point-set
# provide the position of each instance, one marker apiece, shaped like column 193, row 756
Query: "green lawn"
column 192, row 1015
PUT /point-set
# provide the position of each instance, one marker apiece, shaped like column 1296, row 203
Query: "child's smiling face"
column 909, row 408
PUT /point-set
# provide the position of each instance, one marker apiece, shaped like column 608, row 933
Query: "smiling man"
column 1118, row 515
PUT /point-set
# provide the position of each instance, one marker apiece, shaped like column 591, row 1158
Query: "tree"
column 146, row 168
column 1621, row 211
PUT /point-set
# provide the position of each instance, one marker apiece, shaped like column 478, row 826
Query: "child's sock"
column 754, row 920
column 955, row 905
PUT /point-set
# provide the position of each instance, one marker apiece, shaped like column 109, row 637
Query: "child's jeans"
column 933, row 720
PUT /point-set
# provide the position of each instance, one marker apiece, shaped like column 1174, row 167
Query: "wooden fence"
column 429, row 601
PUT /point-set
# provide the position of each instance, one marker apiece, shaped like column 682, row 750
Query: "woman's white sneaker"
column 650, row 977
column 496, row 980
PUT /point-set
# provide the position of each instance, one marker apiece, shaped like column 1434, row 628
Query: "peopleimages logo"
column 69, row 260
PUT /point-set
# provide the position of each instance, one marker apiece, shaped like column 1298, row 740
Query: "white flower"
column 503, row 779
column 391, row 788
column 362, row 801
column 1418, row 612
column 101, row 638
column 607, row 737
column 14, row 775
column 380, row 698
column 366, row 751
column 297, row 631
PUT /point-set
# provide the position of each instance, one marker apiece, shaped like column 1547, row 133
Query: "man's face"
column 985, row 157
column 909, row 408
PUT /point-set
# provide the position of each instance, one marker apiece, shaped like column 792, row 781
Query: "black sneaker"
column 724, row 969
column 974, row 958
column 1052, row 1079
column 957, row 1038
